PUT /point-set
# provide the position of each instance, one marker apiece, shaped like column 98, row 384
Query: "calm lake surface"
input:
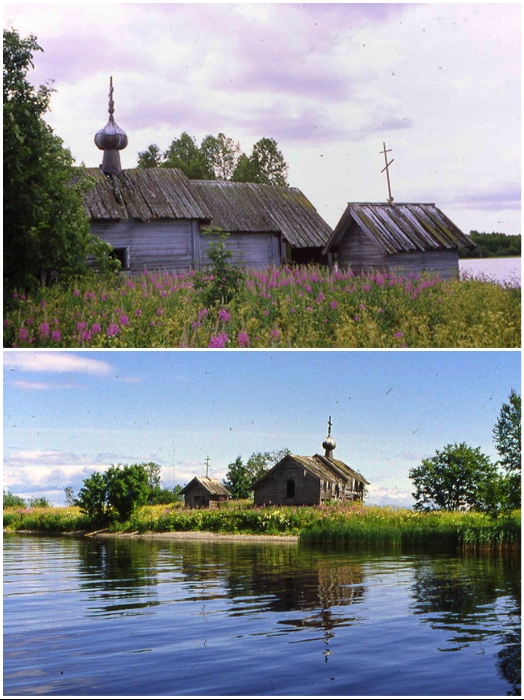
column 158, row 617
column 507, row 270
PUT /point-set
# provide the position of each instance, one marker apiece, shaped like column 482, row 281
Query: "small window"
column 121, row 254
column 290, row 489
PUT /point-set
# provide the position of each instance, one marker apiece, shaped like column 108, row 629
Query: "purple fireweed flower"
column 160, row 311
column 366, row 288
column 243, row 339
column 138, row 312
column 218, row 341
column 275, row 333
column 224, row 315
column 76, row 293
column 112, row 330
column 333, row 304
column 202, row 314
column 124, row 320
column 56, row 336
column 44, row 330
column 23, row 334
column 96, row 328
column 398, row 334
column 86, row 336
column 81, row 326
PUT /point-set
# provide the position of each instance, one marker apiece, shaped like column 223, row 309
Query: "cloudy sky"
column 439, row 83
column 67, row 414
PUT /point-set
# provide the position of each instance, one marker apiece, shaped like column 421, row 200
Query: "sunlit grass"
column 350, row 525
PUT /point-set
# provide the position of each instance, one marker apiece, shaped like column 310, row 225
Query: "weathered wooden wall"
column 252, row 250
column 180, row 245
column 363, row 255
column 199, row 497
column 273, row 489
column 155, row 245
column 360, row 252
column 442, row 262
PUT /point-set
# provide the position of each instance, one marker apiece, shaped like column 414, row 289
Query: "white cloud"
column 388, row 496
column 41, row 386
column 55, row 362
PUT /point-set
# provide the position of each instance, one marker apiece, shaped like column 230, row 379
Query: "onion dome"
column 111, row 139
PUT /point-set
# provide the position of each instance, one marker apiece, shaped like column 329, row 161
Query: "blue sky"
column 67, row 414
column 440, row 83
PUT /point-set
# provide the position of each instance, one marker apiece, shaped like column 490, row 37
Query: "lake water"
column 507, row 270
column 161, row 617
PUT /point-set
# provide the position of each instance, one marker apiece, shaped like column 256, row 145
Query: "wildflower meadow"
column 288, row 307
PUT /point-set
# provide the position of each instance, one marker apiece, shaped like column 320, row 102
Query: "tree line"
column 219, row 158
column 493, row 245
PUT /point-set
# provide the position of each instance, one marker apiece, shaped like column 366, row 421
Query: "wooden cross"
column 207, row 465
column 329, row 426
column 385, row 152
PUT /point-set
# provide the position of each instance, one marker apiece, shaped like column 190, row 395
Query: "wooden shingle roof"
column 166, row 193
column 246, row 206
column 402, row 228
column 142, row 193
column 213, row 486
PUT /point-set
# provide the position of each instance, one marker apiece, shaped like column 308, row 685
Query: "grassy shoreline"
column 347, row 525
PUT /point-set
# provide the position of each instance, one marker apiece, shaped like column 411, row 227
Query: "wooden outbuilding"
column 204, row 492
column 154, row 218
column 396, row 237
column 308, row 481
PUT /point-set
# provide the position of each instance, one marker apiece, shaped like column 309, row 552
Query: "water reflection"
column 302, row 610
column 118, row 577
column 471, row 598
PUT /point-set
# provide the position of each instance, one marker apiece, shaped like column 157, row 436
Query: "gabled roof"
column 166, row 193
column 321, row 467
column 246, row 206
column 399, row 228
column 212, row 486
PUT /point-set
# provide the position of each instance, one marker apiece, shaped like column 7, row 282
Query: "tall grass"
column 350, row 525
column 46, row 519
column 389, row 527
column 285, row 307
